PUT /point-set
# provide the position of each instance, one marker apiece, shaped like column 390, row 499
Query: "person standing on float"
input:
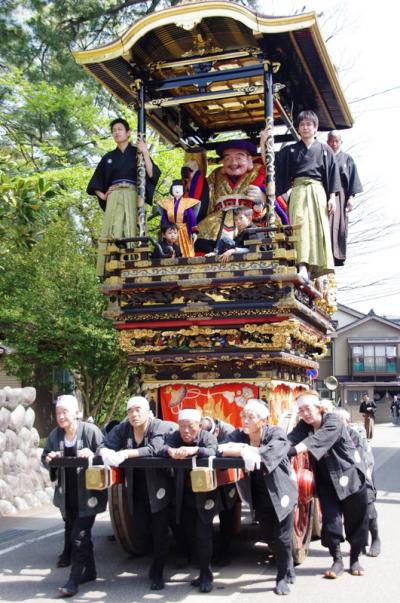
column 350, row 186
column 114, row 184
column 309, row 169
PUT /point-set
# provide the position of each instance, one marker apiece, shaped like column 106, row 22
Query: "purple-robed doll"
column 181, row 211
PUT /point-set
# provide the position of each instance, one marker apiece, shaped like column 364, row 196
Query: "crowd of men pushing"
column 315, row 186
column 161, row 501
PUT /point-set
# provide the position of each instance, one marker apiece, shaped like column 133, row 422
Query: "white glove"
column 251, row 457
column 227, row 446
column 109, row 457
column 120, row 457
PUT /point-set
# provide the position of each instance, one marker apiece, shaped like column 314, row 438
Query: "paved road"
column 30, row 543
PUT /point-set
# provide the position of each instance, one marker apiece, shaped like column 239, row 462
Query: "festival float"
column 209, row 334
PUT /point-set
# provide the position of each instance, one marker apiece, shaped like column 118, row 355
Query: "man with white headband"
column 78, row 506
column 359, row 437
column 150, row 491
column 194, row 511
column 270, row 487
column 229, row 497
column 340, row 478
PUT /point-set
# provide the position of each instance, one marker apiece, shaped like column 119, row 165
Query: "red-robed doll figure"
column 238, row 182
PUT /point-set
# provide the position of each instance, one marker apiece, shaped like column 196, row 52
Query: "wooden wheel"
column 317, row 521
column 122, row 521
column 302, row 530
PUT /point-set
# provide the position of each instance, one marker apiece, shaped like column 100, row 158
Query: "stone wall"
column 24, row 483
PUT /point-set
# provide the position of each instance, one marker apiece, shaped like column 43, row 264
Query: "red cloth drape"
column 223, row 402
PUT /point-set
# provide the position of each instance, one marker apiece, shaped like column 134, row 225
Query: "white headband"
column 189, row 414
column 311, row 399
column 257, row 406
column 136, row 401
column 326, row 404
column 69, row 402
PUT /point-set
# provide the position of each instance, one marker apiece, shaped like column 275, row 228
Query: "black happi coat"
column 118, row 165
column 90, row 502
column 245, row 236
column 332, row 443
column 368, row 407
column 349, row 178
column 158, row 481
column 279, row 476
column 166, row 247
column 361, row 445
column 207, row 503
column 317, row 162
column 224, row 430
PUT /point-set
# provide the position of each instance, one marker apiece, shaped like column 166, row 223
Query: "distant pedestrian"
column 395, row 409
column 368, row 409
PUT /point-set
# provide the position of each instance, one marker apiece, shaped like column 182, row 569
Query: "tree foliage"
column 52, row 315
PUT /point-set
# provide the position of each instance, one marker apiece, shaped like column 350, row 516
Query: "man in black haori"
column 309, row 169
column 340, row 479
column 150, row 491
column 114, row 184
column 359, row 437
column 270, row 488
column 350, row 186
column 194, row 510
column 78, row 506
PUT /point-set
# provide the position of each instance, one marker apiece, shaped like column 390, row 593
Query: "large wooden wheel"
column 317, row 521
column 302, row 530
column 122, row 521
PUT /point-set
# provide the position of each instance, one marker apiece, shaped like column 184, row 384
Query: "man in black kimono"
column 230, row 502
column 150, row 490
column 368, row 409
column 271, row 487
column 340, row 478
column 350, row 186
column 78, row 506
column 194, row 511
column 359, row 437
column 114, row 184
column 309, row 169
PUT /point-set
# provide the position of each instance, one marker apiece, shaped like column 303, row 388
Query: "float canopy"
column 202, row 67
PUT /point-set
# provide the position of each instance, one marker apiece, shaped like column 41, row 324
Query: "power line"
column 357, row 100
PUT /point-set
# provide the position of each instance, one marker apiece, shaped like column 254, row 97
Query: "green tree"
column 52, row 316
column 24, row 211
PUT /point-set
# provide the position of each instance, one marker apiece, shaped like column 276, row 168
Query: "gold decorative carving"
column 286, row 335
column 113, row 265
column 328, row 288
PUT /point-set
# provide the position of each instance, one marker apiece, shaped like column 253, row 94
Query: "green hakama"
column 120, row 220
column 308, row 206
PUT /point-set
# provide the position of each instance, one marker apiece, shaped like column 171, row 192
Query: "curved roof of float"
column 191, row 38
